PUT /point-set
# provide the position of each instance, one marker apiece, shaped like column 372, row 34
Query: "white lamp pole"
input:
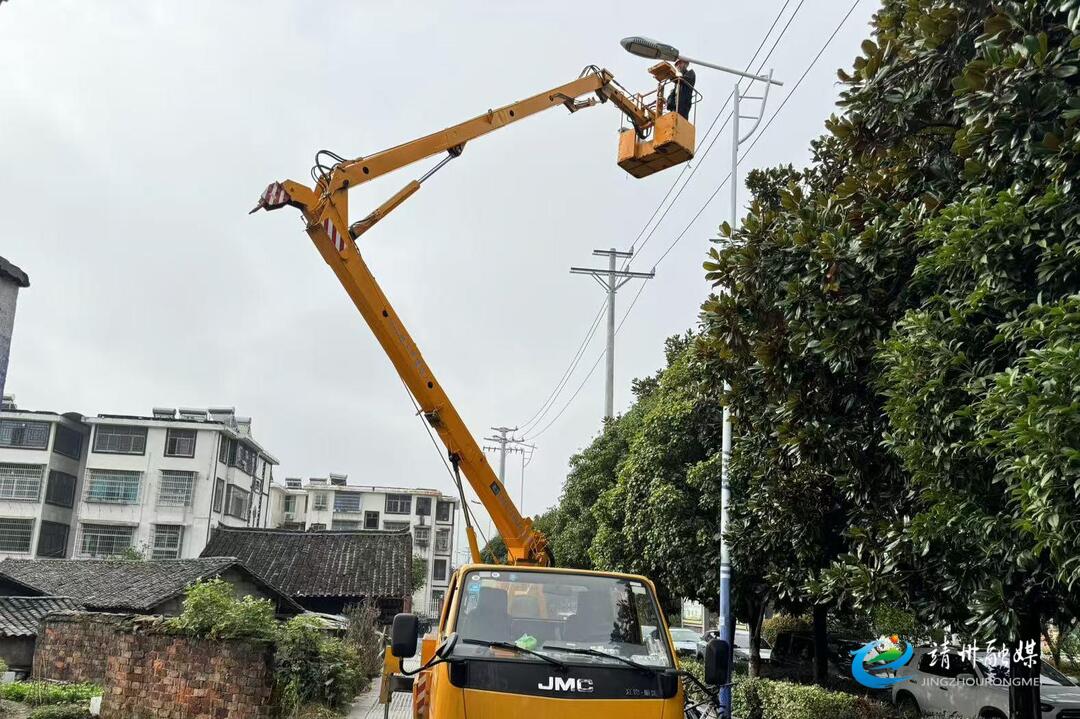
column 645, row 47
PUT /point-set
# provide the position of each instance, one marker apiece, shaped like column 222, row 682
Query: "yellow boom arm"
column 325, row 210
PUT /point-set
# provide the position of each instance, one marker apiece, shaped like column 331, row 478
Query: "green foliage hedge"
column 777, row 623
column 40, row 693
column 767, row 699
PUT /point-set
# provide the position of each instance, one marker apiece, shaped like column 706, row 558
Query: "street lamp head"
column 649, row 48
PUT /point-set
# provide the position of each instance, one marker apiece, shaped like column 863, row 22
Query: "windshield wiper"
column 597, row 653
column 515, row 648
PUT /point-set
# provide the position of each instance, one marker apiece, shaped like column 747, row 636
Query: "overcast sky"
column 135, row 136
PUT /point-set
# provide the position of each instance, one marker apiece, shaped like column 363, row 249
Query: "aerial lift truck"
column 524, row 638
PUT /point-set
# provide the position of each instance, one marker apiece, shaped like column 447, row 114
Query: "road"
column 367, row 705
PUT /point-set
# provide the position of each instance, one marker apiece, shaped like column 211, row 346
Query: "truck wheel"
column 907, row 706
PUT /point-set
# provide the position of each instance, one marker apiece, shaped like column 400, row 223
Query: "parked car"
column 685, row 641
column 741, row 649
column 974, row 690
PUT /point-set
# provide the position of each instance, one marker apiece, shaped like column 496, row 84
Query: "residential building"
column 325, row 571
column 331, row 503
column 42, row 457
column 85, row 487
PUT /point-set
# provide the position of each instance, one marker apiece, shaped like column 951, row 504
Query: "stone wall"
column 147, row 673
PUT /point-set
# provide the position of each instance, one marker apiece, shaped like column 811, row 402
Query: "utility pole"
column 502, row 440
column 611, row 279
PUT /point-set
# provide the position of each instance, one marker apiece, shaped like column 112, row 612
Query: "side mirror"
column 717, row 662
column 446, row 648
column 404, row 634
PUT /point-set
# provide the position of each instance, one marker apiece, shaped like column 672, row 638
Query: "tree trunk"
column 821, row 645
column 757, row 613
column 1024, row 688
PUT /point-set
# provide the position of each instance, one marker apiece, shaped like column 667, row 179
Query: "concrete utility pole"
column 11, row 280
column 502, row 440
column 611, row 280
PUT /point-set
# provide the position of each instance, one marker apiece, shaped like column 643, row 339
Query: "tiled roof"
column 20, row 616
column 122, row 585
column 322, row 564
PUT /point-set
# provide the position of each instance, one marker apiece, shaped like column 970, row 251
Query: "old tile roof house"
column 20, row 618
column 326, row 571
column 140, row 587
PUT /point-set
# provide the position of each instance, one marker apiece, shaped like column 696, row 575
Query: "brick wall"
column 146, row 673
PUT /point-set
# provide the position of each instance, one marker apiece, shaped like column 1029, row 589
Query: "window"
column 176, row 488
column 442, row 540
column 436, row 601
column 60, row 491
column 15, row 534
column 423, row 506
column 168, row 539
column 290, row 504
column 320, row 503
column 219, row 494
column 347, row 502
column 238, row 454
column 422, row 535
column 24, row 435
column 112, row 486
column 68, row 442
column 52, row 540
column 443, row 511
column 236, row 502
column 344, row 525
column 371, row 520
column 21, row 482
column 105, row 540
column 117, row 439
column 438, row 572
column 180, row 442
column 395, row 526
column 399, row 504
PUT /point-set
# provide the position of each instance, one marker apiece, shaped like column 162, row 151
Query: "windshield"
column 551, row 612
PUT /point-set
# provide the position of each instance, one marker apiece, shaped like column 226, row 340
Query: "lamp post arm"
column 740, row 73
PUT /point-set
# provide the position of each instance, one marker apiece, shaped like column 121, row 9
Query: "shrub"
column 777, row 623
column 362, row 632
column 315, row 668
column 766, row 699
column 40, row 693
column 212, row 610
column 61, row 711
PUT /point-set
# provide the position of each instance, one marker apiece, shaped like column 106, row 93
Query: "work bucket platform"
column 672, row 142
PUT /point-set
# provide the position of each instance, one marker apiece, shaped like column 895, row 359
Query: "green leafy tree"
column 417, row 574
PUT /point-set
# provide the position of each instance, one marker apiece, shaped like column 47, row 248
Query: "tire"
column 907, row 706
column 991, row 714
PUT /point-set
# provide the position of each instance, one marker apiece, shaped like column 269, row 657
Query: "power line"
column 575, row 360
column 701, row 159
column 550, row 401
column 768, row 124
column 698, row 214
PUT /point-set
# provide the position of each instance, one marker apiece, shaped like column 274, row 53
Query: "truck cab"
column 545, row 642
